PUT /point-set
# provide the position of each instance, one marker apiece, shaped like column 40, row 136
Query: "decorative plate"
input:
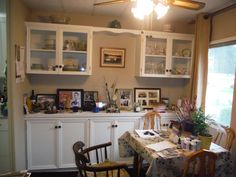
column 186, row 52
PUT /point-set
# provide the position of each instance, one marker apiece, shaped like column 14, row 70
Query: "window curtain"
column 200, row 65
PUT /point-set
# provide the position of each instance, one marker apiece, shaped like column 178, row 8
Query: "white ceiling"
column 120, row 10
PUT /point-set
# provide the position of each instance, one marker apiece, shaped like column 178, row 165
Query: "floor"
column 70, row 174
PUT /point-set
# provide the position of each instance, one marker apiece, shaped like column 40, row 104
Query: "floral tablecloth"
column 169, row 166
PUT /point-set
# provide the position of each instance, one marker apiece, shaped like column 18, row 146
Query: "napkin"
column 161, row 146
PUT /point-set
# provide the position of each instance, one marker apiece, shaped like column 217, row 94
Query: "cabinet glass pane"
column 155, row 46
column 73, row 41
column 42, row 50
column 42, row 60
column 41, row 39
column 155, row 65
column 181, row 66
column 74, row 51
column 74, row 61
column 182, row 48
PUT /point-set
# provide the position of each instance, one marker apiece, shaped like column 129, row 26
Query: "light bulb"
column 161, row 10
column 143, row 8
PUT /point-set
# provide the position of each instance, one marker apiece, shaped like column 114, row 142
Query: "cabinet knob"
column 167, row 70
column 114, row 126
column 56, row 66
column 59, row 126
column 170, row 70
column 56, row 127
column 60, row 66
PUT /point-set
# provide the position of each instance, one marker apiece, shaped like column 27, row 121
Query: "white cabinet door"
column 71, row 131
column 123, row 125
column 101, row 131
column 42, row 143
column 105, row 130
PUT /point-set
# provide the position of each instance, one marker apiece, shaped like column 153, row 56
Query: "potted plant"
column 200, row 128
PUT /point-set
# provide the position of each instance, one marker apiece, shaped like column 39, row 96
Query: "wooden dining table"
column 166, row 163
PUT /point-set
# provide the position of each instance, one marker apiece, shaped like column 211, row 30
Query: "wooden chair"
column 230, row 135
column 93, row 162
column 200, row 164
column 151, row 120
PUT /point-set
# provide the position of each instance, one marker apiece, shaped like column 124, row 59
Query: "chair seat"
column 123, row 172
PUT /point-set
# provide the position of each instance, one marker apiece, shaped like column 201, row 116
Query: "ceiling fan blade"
column 110, row 2
column 193, row 5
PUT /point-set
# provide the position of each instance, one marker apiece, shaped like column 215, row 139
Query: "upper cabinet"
column 58, row 49
column 165, row 55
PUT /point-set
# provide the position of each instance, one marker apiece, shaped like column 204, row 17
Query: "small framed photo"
column 125, row 99
column 70, row 98
column 90, row 99
column 46, row 100
column 90, row 96
column 112, row 57
column 147, row 97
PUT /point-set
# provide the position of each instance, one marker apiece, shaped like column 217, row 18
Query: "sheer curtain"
column 200, row 65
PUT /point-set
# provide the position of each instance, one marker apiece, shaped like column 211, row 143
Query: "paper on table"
column 146, row 135
column 161, row 145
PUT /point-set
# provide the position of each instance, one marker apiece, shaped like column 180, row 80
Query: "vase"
column 205, row 141
column 112, row 107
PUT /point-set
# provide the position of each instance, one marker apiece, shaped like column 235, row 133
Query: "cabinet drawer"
column 3, row 124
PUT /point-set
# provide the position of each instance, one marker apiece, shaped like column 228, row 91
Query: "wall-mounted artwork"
column 112, row 57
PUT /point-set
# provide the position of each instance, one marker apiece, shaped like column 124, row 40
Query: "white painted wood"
column 71, row 132
column 42, row 143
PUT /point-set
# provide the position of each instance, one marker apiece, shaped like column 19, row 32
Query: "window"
column 220, row 86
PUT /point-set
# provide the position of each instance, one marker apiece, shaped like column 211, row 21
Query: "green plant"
column 200, row 126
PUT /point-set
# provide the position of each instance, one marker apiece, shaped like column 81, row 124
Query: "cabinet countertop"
column 93, row 115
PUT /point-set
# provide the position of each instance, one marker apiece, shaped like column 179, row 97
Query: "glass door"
column 42, row 51
column 74, row 52
column 181, row 57
column 155, row 56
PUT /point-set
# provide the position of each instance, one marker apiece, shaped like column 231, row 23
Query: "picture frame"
column 70, row 98
column 46, row 100
column 90, row 99
column 112, row 57
column 147, row 97
column 125, row 99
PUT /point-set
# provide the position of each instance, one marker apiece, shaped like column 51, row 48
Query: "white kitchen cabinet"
column 104, row 130
column 49, row 142
column 165, row 55
column 58, row 49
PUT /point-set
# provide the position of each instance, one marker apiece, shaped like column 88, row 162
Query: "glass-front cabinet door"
column 42, row 50
column 74, row 52
column 181, row 58
column 155, row 56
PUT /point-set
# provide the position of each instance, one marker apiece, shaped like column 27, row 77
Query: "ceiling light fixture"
column 145, row 7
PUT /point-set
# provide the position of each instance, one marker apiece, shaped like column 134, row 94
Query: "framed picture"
column 125, row 99
column 46, row 100
column 147, row 97
column 70, row 98
column 112, row 57
column 90, row 99
column 90, row 96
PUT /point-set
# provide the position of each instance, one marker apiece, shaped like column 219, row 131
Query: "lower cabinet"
column 105, row 130
column 49, row 142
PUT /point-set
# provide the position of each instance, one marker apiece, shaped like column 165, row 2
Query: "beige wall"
column 18, row 14
column 224, row 25
column 126, row 23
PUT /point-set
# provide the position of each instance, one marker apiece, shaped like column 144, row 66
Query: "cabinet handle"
column 167, row 70
column 56, row 66
column 114, row 126
column 59, row 126
column 56, row 127
column 170, row 70
column 60, row 66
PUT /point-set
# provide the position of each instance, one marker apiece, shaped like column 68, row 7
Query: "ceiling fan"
column 187, row 4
